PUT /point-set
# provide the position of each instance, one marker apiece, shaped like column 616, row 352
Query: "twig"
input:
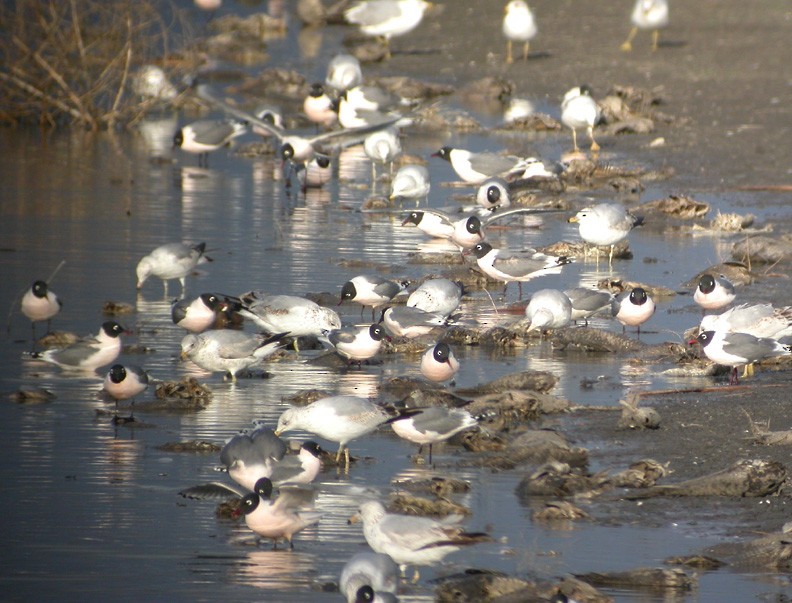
column 766, row 187
column 30, row 89
column 78, row 33
column 124, row 75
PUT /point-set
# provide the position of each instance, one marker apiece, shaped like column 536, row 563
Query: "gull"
column 387, row 18
column 737, row 349
column 269, row 113
column 605, row 224
column 382, row 147
column 714, row 292
column 151, row 82
column 352, row 117
column 277, row 518
column 343, row 72
column 587, row 302
column 40, row 303
column 87, row 354
column 375, row 570
column 319, row 107
column 759, row 320
column 647, row 14
column 438, row 363
column 432, row 425
column 171, row 261
column 475, row 168
column 410, row 182
column 518, row 108
column 229, row 351
column 635, row 308
column 411, row 540
column 579, row 110
column 297, row 316
column 199, row 314
column 410, row 322
column 374, row 291
column 519, row 268
column 518, row 26
column 493, row 194
column 125, row 382
column 366, row 594
column 252, row 454
column 356, row 344
column 437, row 295
column 372, row 98
column 338, row 419
column 549, row 309
column 204, row 136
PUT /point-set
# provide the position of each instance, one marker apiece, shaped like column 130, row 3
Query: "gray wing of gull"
column 519, row 266
column 497, row 215
column 212, row 491
column 748, row 346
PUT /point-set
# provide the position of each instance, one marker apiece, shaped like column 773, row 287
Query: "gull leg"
column 526, row 48
column 655, row 39
column 610, row 257
column 509, row 57
column 416, row 575
column 627, row 44
column 346, row 465
column 575, row 148
column 594, row 146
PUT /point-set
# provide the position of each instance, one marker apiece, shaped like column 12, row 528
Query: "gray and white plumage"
column 170, row 261
column 343, row 72
column 647, row 14
column 436, row 295
column 548, row 309
column 635, row 307
column 403, row 321
column 605, row 224
column 434, row 424
column 319, row 107
column 373, row 98
column 123, row 382
column 579, row 110
column 252, row 454
column 737, row 349
column 89, row 353
column 438, row 363
column 357, row 344
column 205, row 136
column 370, row 290
column 411, row 182
column 493, row 194
column 519, row 25
column 297, row 316
column 270, row 114
column 759, row 320
column 714, row 292
column 151, row 82
column 229, row 351
column 475, row 168
column 338, row 419
column 376, row 570
column 587, row 302
column 386, row 18
column 518, row 268
column 40, row 303
column 198, row 314
column 383, row 146
column 411, row 540
column 277, row 517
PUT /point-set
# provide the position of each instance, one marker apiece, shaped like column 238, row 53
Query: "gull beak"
column 278, row 432
column 693, row 342
column 573, row 219
column 183, row 356
column 354, row 519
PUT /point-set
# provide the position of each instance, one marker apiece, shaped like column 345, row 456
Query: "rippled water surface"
column 92, row 512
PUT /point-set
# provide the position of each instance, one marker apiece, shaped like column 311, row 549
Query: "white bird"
column 229, row 351
column 90, row 353
column 579, row 110
column 357, row 344
column 438, row 363
column 411, row 182
column 437, row 295
column 270, row 114
column 151, row 82
column 319, row 107
column 475, row 168
column 518, row 26
column 252, row 454
column 518, row 268
column 714, row 292
column 605, row 224
column 343, row 72
column 587, row 302
column 647, row 14
column 493, row 194
column 410, row 322
column 199, row 314
column 382, row 147
column 759, row 320
column 432, row 425
column 635, row 308
column 737, row 349
column 370, row 290
column 297, row 316
column 123, row 382
column 170, row 261
column 411, row 540
column 338, row 419
column 203, row 137
column 277, row 518
column 548, row 309
column 40, row 303
column 387, row 18
column 375, row 570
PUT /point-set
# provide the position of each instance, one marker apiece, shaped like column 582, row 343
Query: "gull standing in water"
column 411, row 182
column 714, row 292
column 437, row 295
column 199, row 314
column 374, row 291
column 493, row 194
column 203, row 137
column 411, row 540
column 475, row 168
column 297, row 316
column 410, row 322
column 171, row 261
column 587, row 302
column 229, row 351
column 387, row 18
column 605, row 224
column 647, row 14
column 39, row 303
column 123, row 382
column 90, row 353
column 548, row 309
column 375, row 570
column 635, row 308
column 432, row 425
column 738, row 349
column 518, row 26
column 579, row 110
column 519, row 268
column 356, row 344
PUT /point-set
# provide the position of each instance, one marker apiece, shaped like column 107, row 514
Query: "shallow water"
column 92, row 511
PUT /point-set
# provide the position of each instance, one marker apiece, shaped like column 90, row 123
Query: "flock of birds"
column 274, row 490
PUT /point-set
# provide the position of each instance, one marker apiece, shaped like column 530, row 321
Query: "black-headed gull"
column 438, row 363
column 375, row 570
column 519, row 268
column 738, row 349
column 432, row 425
column 204, row 136
column 714, row 292
column 90, row 353
column 357, row 343
column 40, row 303
column 635, row 308
column 124, row 382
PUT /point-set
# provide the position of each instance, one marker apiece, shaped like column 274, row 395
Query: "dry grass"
column 72, row 61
